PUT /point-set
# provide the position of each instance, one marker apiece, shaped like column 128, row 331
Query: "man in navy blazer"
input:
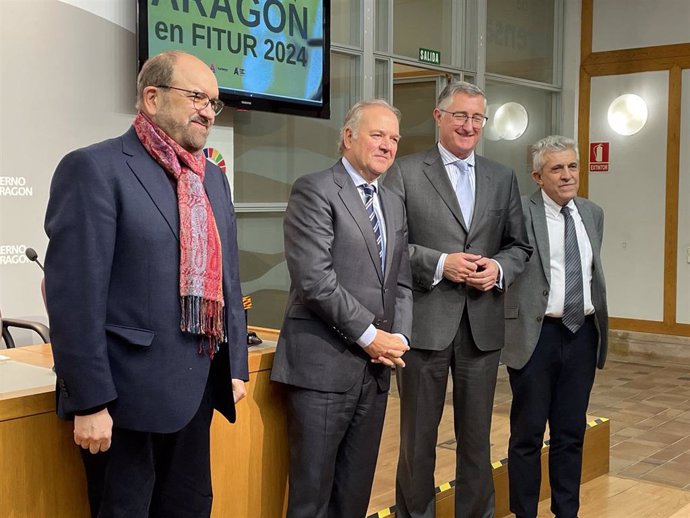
column 137, row 385
column 551, row 352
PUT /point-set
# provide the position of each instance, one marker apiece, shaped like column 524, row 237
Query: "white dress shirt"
column 556, row 228
column 453, row 171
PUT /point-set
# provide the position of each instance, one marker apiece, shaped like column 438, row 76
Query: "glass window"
column 382, row 79
column 272, row 150
column 501, row 142
column 346, row 23
column 263, row 269
column 423, row 24
column 520, row 39
column 382, row 26
column 633, row 194
column 416, row 100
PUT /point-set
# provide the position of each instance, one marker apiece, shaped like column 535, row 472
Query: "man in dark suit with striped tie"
column 348, row 317
column 556, row 327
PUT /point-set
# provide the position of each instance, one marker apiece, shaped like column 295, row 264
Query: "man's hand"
column 387, row 349
column 238, row 390
column 459, row 266
column 94, row 432
column 486, row 276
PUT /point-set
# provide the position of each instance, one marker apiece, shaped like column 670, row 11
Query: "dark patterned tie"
column 573, row 304
column 369, row 191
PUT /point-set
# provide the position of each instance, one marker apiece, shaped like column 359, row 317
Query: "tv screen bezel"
column 255, row 100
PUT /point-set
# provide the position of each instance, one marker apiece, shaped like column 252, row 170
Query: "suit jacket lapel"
column 216, row 198
column 588, row 222
column 437, row 175
column 482, row 189
column 152, row 178
column 541, row 232
column 353, row 203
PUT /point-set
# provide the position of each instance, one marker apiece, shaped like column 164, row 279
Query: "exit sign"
column 430, row 56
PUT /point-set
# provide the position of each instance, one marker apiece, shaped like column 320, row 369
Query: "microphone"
column 33, row 257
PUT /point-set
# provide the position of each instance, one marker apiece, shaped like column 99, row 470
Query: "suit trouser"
column 153, row 475
column 553, row 386
column 422, row 385
column 334, row 443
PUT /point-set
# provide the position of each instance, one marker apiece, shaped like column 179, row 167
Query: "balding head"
column 173, row 89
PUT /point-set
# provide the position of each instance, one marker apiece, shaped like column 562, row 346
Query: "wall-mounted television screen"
column 270, row 55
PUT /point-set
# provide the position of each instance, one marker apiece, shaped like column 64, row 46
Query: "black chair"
column 40, row 329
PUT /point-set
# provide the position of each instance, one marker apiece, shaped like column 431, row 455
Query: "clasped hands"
column 387, row 349
column 474, row 270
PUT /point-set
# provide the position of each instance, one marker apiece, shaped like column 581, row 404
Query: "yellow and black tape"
column 389, row 511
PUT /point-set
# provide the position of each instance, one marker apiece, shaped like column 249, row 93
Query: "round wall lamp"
column 507, row 122
column 627, row 114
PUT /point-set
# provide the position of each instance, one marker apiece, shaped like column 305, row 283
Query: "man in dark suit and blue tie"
column 348, row 317
column 556, row 332
column 143, row 295
column 467, row 245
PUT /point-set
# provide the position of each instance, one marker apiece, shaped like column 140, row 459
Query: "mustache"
column 201, row 120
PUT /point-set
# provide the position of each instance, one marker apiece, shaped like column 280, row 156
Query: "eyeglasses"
column 478, row 121
column 200, row 99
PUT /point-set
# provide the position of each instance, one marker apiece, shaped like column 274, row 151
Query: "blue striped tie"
column 574, row 300
column 369, row 191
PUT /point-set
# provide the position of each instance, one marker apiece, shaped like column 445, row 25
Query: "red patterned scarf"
column 201, row 264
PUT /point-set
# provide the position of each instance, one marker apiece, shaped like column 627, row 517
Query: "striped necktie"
column 369, row 191
column 574, row 301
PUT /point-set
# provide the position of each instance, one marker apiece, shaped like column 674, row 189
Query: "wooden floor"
column 617, row 495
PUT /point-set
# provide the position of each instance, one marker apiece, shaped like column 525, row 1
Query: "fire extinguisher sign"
column 598, row 157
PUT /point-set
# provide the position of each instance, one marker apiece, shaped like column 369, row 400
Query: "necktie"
column 573, row 304
column 369, row 191
column 463, row 191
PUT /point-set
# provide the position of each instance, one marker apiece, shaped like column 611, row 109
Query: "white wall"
column 67, row 81
column 632, row 195
column 624, row 24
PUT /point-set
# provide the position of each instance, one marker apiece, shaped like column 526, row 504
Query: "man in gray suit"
column 556, row 332
column 348, row 317
column 467, row 244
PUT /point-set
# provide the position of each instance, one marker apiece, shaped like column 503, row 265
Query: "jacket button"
column 546, row 292
column 539, row 319
column 467, row 247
